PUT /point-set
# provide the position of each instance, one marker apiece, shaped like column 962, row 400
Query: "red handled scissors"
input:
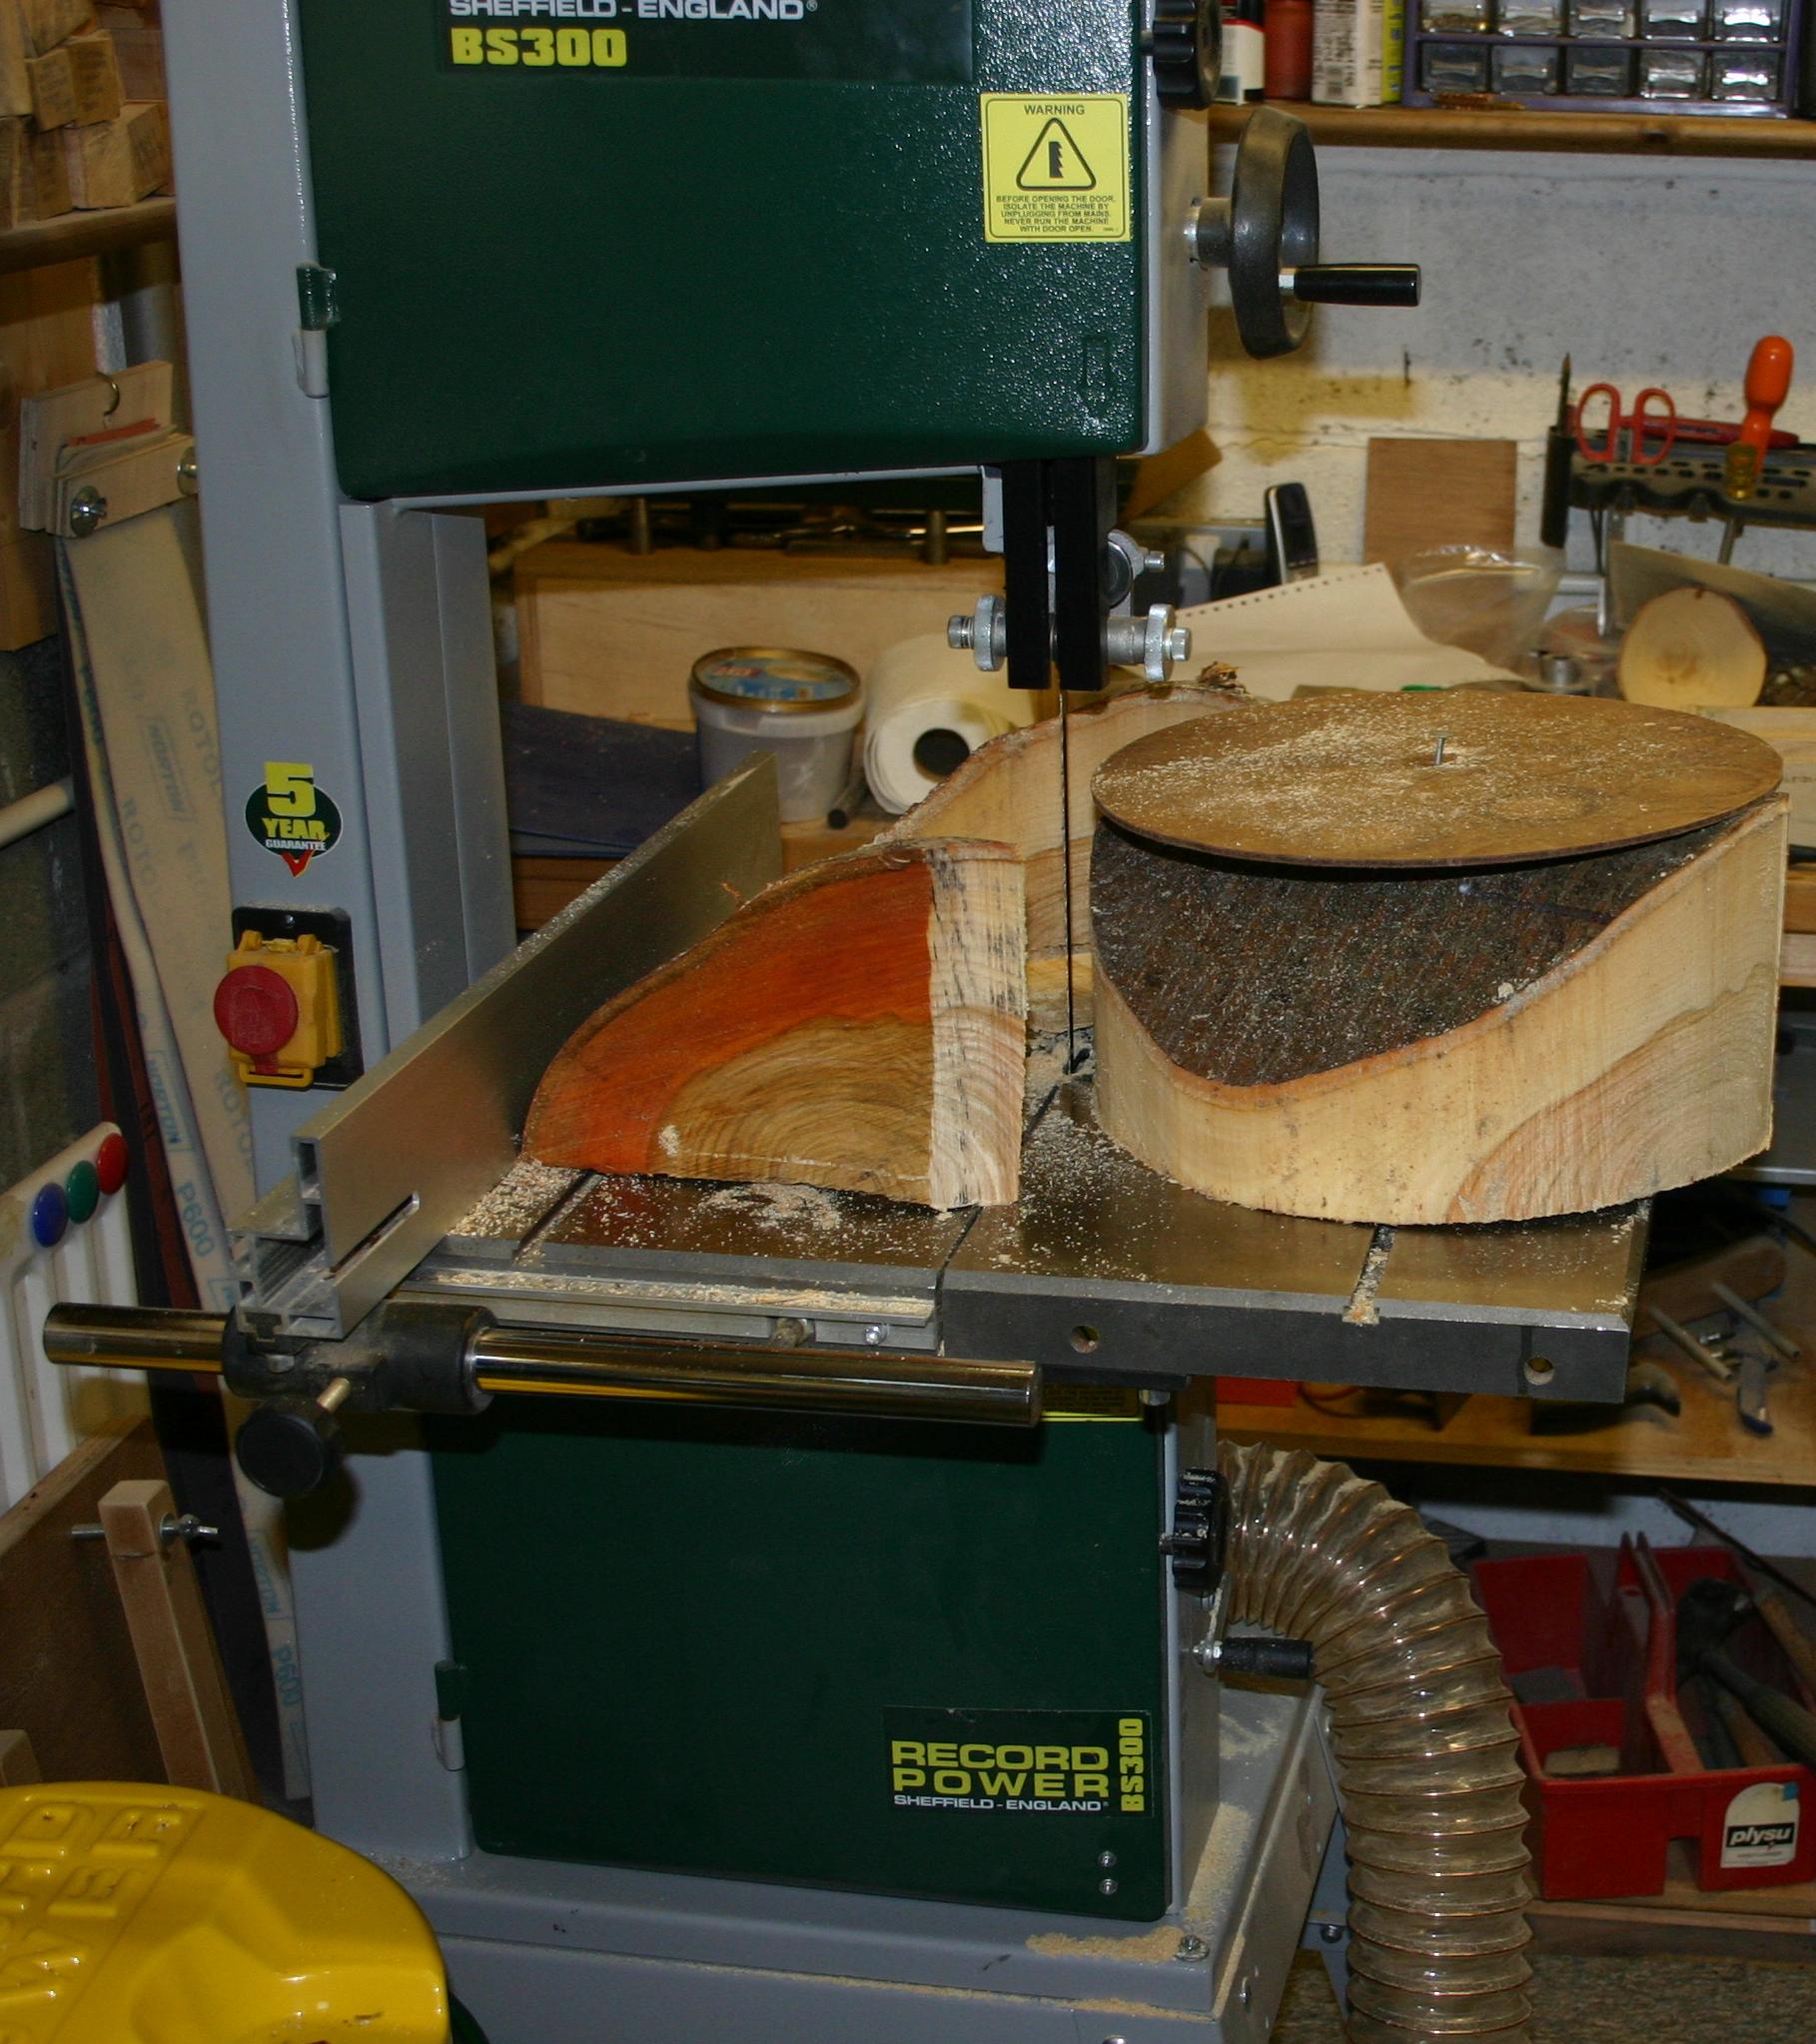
column 1651, row 427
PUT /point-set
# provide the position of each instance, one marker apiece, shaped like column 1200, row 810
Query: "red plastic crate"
column 1257, row 1391
column 1611, row 1621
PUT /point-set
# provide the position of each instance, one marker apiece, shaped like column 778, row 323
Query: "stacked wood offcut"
column 83, row 120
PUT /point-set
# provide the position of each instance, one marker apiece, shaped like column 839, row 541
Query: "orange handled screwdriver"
column 1768, row 385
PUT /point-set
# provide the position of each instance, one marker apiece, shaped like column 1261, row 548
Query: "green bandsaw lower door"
column 917, row 1660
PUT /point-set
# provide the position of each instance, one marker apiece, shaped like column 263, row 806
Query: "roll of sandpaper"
column 929, row 708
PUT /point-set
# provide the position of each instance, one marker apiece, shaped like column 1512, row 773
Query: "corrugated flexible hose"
column 1421, row 1738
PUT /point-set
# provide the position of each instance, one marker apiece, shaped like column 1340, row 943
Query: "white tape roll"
column 928, row 709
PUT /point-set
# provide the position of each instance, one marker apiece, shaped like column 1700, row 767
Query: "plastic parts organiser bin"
column 140, row 1914
column 1610, row 1621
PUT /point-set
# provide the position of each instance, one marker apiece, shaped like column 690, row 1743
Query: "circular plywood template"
column 1361, row 780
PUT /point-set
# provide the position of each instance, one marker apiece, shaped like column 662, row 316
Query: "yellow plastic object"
column 133, row 1914
column 307, row 966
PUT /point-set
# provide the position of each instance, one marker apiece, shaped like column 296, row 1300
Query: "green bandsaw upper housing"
column 592, row 243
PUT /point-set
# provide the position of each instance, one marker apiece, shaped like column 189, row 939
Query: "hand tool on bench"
column 1707, row 1614
column 1649, row 431
column 1750, row 1388
column 1751, row 1745
column 1768, row 385
column 1794, row 1642
column 1712, row 1359
column 1773, row 1337
column 1641, row 437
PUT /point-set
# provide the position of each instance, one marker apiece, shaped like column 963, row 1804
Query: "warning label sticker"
column 1056, row 170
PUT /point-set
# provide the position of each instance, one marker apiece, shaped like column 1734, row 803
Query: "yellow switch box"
column 137, row 1914
column 279, row 1009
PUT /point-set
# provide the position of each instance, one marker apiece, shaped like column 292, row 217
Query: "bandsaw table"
column 1102, row 1270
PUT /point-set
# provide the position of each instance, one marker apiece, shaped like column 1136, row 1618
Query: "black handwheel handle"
column 1393, row 285
column 1265, row 235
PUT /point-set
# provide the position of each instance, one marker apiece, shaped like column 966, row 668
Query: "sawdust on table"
column 525, row 1197
column 1362, row 1309
column 1050, row 1055
column 778, row 1205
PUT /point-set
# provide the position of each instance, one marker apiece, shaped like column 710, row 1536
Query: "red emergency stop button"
column 256, row 1010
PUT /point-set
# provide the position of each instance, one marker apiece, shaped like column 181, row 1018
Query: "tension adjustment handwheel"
column 1265, row 235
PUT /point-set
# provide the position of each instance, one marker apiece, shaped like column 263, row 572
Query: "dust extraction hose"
column 1420, row 1733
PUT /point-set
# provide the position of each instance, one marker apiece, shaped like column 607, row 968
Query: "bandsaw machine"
column 726, row 1620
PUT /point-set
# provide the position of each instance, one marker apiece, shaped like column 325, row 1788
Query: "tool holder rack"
column 1688, row 483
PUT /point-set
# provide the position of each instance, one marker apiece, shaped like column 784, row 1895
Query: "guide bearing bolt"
column 1155, row 643
column 171, row 1528
column 87, row 511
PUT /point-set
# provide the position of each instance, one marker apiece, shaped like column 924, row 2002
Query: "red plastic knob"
column 256, row 1010
column 111, row 1161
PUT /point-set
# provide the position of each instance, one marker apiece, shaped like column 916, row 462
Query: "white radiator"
column 63, row 1236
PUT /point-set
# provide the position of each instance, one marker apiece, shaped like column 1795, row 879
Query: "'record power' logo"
column 911, row 42
column 569, row 35
column 1053, row 1762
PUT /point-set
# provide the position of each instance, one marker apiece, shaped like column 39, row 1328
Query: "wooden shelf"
column 72, row 236
column 1776, row 1924
column 1515, row 128
column 1704, row 1443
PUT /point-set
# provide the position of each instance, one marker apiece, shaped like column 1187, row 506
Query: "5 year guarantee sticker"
column 1056, row 168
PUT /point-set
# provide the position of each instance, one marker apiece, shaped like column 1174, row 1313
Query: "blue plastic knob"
column 50, row 1217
